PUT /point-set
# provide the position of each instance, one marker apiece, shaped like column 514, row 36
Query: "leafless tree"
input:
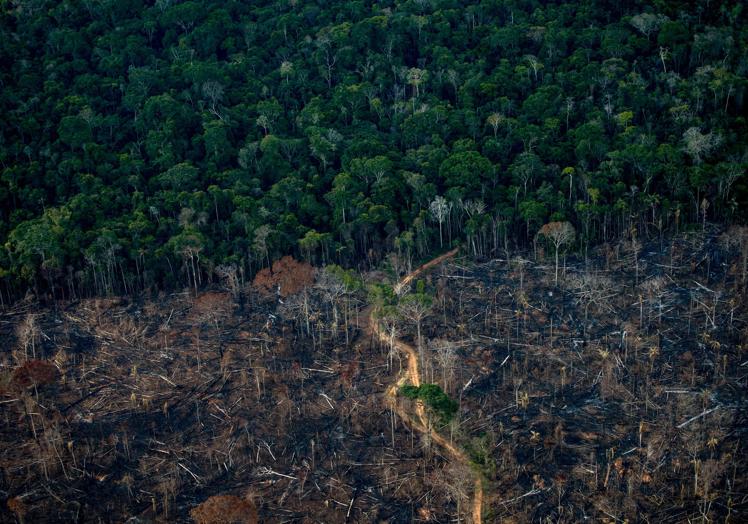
column 634, row 247
column 230, row 277
column 390, row 323
column 736, row 238
column 213, row 91
column 535, row 65
column 457, row 479
column 328, row 55
column 191, row 260
column 446, row 357
column 27, row 333
column 260, row 244
column 698, row 144
column 416, row 77
column 657, row 294
column 286, row 69
column 440, row 210
column 664, row 52
column 416, row 308
column 332, row 289
column 647, row 23
column 568, row 106
column 263, row 122
column 593, row 289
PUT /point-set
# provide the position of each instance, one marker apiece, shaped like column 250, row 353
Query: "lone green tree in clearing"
column 558, row 234
column 434, row 397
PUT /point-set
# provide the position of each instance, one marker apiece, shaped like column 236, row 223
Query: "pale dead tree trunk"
column 259, row 371
column 27, row 333
column 457, row 480
column 558, row 233
column 307, row 315
column 534, row 64
column 229, row 275
column 634, row 247
column 416, row 308
column 332, row 289
column 440, row 209
column 704, row 207
column 495, row 119
column 196, row 333
column 744, row 258
column 390, row 328
column 663, row 55
column 329, row 58
column 735, row 242
column 191, row 260
column 415, row 78
column 346, row 316
column 446, row 356
column 30, row 408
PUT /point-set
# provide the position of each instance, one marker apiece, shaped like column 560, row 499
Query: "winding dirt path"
column 413, row 376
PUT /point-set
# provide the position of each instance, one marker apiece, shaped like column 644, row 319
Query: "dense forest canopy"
column 146, row 145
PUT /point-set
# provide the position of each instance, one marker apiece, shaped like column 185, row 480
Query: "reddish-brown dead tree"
column 33, row 373
column 225, row 509
column 287, row 277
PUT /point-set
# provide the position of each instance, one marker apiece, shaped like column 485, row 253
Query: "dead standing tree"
column 735, row 240
column 332, row 290
column 416, row 307
column 655, row 293
column 28, row 334
column 633, row 246
column 390, row 323
column 440, row 210
column 286, row 277
column 593, row 289
column 446, row 357
column 208, row 309
column 558, row 234
column 456, row 479
column 229, row 275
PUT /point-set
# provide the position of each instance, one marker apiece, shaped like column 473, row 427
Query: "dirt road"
column 413, row 376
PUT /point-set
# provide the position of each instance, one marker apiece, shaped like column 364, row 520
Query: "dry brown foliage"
column 33, row 373
column 17, row 507
column 288, row 276
column 211, row 306
column 225, row 509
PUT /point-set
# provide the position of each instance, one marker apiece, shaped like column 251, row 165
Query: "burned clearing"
column 113, row 409
column 617, row 393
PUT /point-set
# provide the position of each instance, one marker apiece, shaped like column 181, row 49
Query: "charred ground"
column 617, row 394
column 149, row 408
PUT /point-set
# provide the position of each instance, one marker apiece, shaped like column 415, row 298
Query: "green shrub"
column 434, row 398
